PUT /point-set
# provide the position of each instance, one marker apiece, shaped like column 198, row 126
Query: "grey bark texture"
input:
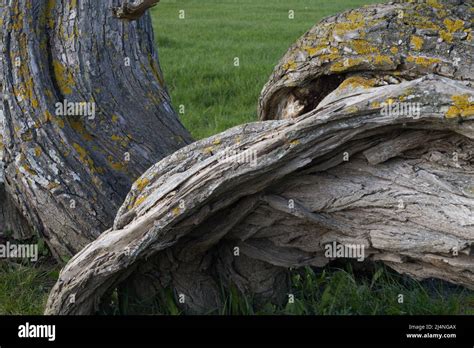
column 331, row 161
column 69, row 172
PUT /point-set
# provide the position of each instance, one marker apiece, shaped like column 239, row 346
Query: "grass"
column 339, row 291
column 24, row 289
column 197, row 56
column 329, row 291
column 197, row 53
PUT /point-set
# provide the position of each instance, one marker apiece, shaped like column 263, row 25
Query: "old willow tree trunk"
column 85, row 113
column 366, row 139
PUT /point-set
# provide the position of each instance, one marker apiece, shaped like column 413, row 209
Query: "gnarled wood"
column 324, row 172
column 153, row 222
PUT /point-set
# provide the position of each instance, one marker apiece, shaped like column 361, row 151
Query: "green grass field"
column 197, row 56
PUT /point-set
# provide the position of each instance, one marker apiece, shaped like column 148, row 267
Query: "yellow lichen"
column 389, row 101
column 420, row 21
column 341, row 28
column 81, row 151
column 434, row 4
column 34, row 102
column 27, row 136
column 295, row 142
column 416, row 42
column 452, row 26
column 47, row 116
column 346, row 64
column 311, row 50
column 63, row 77
column 446, row 36
column 139, row 201
column 290, row 65
column 321, row 47
column 118, row 166
column 469, row 34
column 141, row 183
column 358, row 81
column 38, row 151
column 352, row 109
column 462, row 106
column 355, row 20
column 84, row 158
column 363, row 47
column 79, row 128
column 355, row 17
column 333, row 55
column 124, row 141
column 423, row 61
column 208, row 150
column 382, row 59
column 50, row 5
column 28, row 169
column 394, row 50
column 59, row 121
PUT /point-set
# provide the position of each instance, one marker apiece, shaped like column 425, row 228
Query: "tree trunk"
column 86, row 113
column 339, row 163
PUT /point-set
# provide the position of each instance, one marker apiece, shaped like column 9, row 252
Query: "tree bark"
column 68, row 172
column 133, row 11
column 333, row 163
column 12, row 224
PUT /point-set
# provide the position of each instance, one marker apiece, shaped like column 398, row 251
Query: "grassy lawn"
column 24, row 289
column 197, row 53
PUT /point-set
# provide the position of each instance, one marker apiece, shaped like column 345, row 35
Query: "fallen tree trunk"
column 86, row 113
column 337, row 162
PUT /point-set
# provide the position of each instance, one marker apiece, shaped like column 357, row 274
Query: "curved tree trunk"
column 86, row 113
column 335, row 163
